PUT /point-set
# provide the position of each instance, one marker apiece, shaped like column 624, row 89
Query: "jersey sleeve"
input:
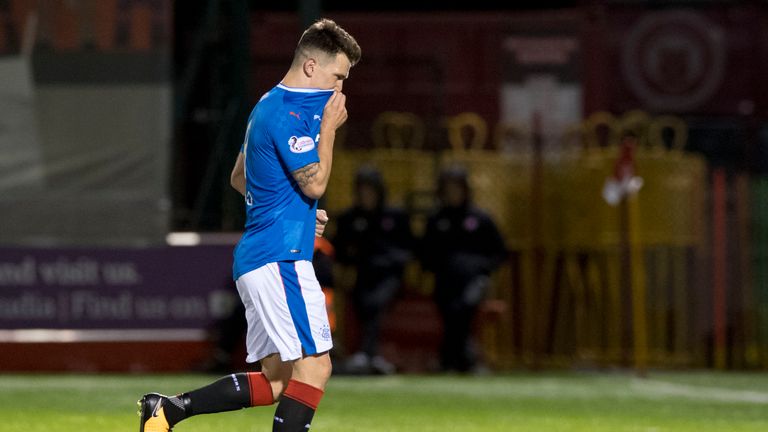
column 295, row 143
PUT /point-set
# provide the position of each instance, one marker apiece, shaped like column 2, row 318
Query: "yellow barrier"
column 460, row 124
column 400, row 130
column 577, row 306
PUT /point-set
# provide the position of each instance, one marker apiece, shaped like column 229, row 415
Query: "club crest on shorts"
column 301, row 144
column 325, row 333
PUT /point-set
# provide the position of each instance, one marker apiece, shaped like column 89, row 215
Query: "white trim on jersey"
column 286, row 312
column 302, row 89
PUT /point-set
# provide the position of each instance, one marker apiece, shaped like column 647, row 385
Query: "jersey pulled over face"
column 282, row 136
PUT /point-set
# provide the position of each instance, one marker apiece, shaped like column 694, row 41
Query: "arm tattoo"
column 306, row 175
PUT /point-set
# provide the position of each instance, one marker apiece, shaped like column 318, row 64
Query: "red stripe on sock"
column 261, row 389
column 304, row 393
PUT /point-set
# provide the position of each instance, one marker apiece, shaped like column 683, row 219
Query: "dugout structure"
column 565, row 296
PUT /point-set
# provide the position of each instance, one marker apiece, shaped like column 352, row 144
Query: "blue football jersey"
column 282, row 136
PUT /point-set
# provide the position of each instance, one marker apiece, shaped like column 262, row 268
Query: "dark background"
column 435, row 59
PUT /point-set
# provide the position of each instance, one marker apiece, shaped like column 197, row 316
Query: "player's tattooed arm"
column 306, row 175
column 313, row 178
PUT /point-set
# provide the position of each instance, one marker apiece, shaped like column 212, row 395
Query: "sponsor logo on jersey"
column 295, row 114
column 317, row 117
column 301, row 144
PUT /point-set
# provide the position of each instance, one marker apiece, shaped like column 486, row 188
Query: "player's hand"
column 335, row 111
column 321, row 220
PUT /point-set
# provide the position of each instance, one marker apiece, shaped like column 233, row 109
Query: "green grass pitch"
column 567, row 401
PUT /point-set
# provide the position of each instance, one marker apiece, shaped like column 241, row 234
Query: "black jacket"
column 378, row 243
column 460, row 244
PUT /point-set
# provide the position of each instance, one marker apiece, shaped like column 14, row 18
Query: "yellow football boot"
column 152, row 414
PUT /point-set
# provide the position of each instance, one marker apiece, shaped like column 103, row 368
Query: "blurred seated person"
column 462, row 246
column 376, row 240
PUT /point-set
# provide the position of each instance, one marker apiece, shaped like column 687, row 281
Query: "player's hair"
column 327, row 36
